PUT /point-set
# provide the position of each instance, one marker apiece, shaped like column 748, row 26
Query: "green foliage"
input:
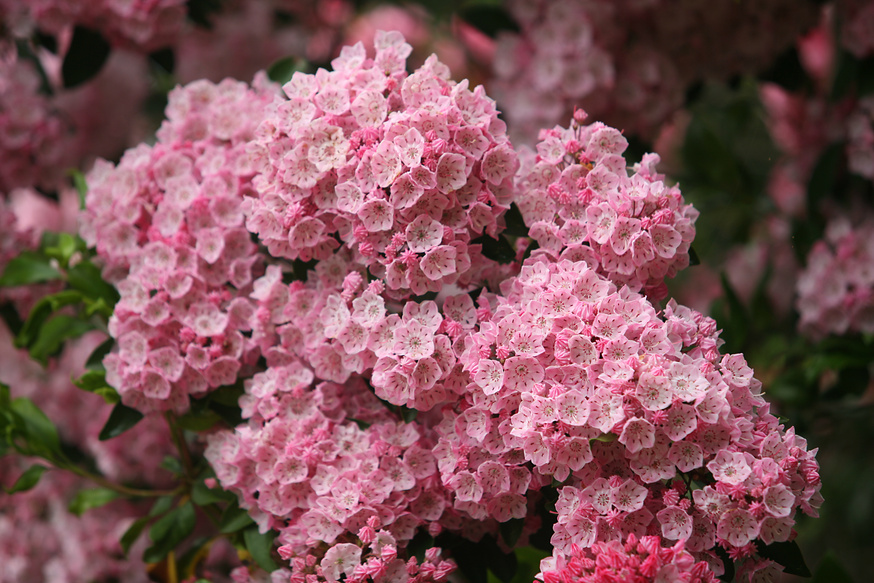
column 120, row 420
column 27, row 268
column 28, row 479
column 170, row 530
column 91, row 498
column 260, row 546
column 282, row 70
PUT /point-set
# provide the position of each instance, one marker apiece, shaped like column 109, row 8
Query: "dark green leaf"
column 39, row 432
column 92, row 498
column 515, row 222
column 498, row 249
column 786, row 554
column 282, row 70
column 830, row 570
column 170, row 530
column 85, row 57
column 727, row 564
column 27, row 480
column 81, row 186
column 408, row 415
column 161, row 505
column 40, row 313
column 199, row 420
column 736, row 325
column 361, row 424
column 95, row 360
column 234, row 519
column 204, row 496
column 11, row 318
column 502, row 564
column 528, row 559
column 490, row 19
column 133, row 533
column 260, row 546
column 512, row 530
column 27, row 268
column 693, row 257
column 420, row 543
column 120, row 420
column 172, row 465
column 85, row 277
column 54, row 333
column 164, row 58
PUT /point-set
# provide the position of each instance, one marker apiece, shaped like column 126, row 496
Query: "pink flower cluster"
column 563, row 372
column 585, row 384
column 144, row 25
column 836, row 289
column 580, row 203
column 634, row 561
column 329, row 467
column 629, row 62
column 168, row 223
column 402, row 170
column 31, row 132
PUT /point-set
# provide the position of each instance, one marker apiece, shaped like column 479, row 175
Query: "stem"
column 121, row 489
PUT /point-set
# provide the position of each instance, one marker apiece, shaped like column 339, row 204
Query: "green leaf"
column 234, row 519
column 407, row 414
column 120, row 420
column 161, row 505
column 133, row 533
column 515, row 222
column 260, row 546
column 95, row 360
column 786, row 554
column 26, row 268
column 54, row 333
column 204, row 496
column 512, row 530
column 40, row 434
column 27, row 480
column 693, row 257
column 85, row 57
column 11, row 318
column 40, row 313
column 94, row 381
column 282, row 70
column 199, row 420
column 830, row 570
column 170, row 530
column 528, row 559
column 86, row 277
column 81, row 186
column 92, row 498
column 498, row 249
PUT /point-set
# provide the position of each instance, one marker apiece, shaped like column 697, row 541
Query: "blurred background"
column 762, row 111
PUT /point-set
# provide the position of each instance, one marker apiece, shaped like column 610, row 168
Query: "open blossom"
column 402, row 170
column 580, row 201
